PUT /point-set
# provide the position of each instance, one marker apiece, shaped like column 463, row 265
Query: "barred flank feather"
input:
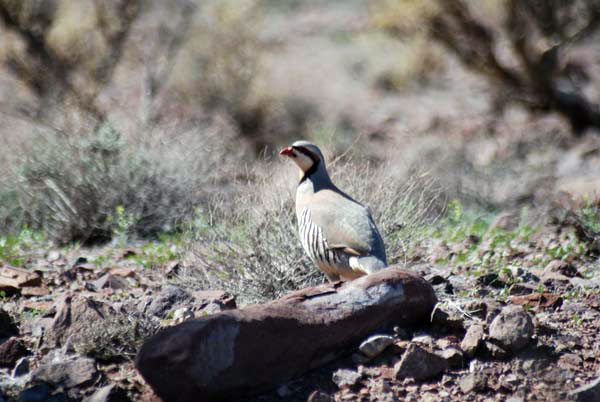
column 316, row 245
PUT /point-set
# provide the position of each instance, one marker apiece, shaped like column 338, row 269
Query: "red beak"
column 289, row 151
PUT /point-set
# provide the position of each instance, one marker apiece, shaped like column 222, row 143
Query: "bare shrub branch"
column 540, row 82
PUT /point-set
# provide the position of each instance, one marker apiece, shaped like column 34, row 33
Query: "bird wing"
column 345, row 223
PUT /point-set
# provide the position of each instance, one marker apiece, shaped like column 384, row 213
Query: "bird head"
column 306, row 155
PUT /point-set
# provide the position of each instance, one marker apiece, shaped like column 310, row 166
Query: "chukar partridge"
column 337, row 233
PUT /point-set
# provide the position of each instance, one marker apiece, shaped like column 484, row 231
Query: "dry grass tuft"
column 116, row 338
column 85, row 187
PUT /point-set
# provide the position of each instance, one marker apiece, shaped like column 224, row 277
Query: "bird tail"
column 367, row 264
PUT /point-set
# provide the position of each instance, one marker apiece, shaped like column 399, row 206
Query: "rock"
column 11, row 350
column 587, row 393
column 108, row 393
column 561, row 267
column 35, row 291
column 319, row 396
column 21, row 368
column 492, row 280
column 472, row 339
column 8, row 327
column 73, row 316
column 402, row 333
column 554, row 279
column 53, row 255
column 13, row 279
column 67, row 372
column 570, row 361
column 423, row 339
column 344, row 378
column 494, row 350
column 519, row 289
column 172, row 269
column 473, row 382
column 374, row 345
column 546, row 300
column 419, row 364
column 166, row 300
column 435, row 279
column 182, row 314
column 446, row 318
column 125, row 272
column 506, row 220
column 512, row 328
column 213, row 301
column 109, row 281
column 453, row 356
column 236, row 352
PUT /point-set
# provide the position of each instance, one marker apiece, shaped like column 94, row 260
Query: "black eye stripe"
column 315, row 158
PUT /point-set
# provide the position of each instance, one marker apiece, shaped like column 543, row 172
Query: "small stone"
column 495, row 351
column 512, row 328
column 319, row 396
column 473, row 382
column 509, row 381
column 423, row 339
column 492, row 279
column 212, row 302
column 109, row 281
column 21, row 368
column 472, row 339
column 374, row 345
column 168, row 297
column 68, row 372
column 101, row 394
column 53, row 255
column 570, row 361
column 125, row 272
column 345, row 378
column 447, row 319
column 182, row 314
column 435, row 279
column 401, row 333
column 12, row 279
column 34, row 291
column 11, row 350
column 588, row 392
column 453, row 356
column 561, row 267
column 419, row 364
column 172, row 269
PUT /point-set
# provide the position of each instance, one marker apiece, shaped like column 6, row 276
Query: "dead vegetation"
column 538, row 74
column 85, row 187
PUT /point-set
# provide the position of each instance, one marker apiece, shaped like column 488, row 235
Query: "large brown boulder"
column 240, row 352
